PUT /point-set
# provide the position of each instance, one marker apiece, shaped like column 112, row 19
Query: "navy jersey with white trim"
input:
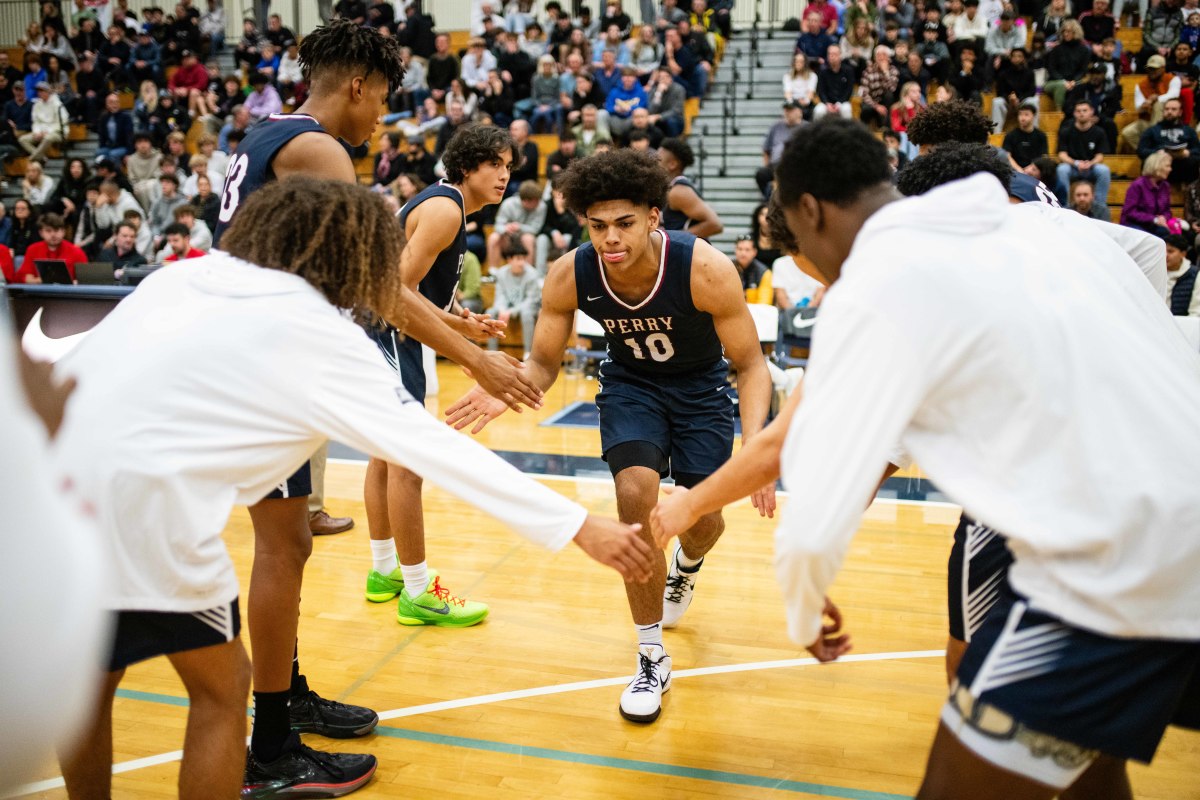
column 674, row 220
column 250, row 168
column 440, row 283
column 664, row 334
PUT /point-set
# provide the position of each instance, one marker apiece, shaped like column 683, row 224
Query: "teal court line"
column 569, row 757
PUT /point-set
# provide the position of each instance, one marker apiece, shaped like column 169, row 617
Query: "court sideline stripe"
column 541, row 691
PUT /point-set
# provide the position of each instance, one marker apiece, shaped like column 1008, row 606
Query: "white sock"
column 650, row 634
column 685, row 563
column 383, row 555
column 416, row 578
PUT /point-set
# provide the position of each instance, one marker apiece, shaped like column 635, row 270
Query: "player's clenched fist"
column 673, row 515
column 619, row 546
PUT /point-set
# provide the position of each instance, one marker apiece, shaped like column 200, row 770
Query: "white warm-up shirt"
column 1031, row 388
column 209, row 386
column 55, row 640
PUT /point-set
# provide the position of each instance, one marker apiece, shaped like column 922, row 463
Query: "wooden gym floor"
column 525, row 705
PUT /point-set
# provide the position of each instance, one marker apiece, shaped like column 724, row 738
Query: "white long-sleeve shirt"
column 1030, row 387
column 208, row 387
column 1173, row 89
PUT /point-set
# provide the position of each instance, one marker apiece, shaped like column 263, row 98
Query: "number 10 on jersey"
column 658, row 345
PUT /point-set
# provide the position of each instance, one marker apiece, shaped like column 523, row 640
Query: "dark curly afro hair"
column 777, row 228
column 343, row 45
column 949, row 121
column 616, row 175
column 834, row 160
column 948, row 162
column 472, row 145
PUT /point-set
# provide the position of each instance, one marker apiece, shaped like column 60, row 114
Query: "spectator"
column 611, row 40
column 518, row 293
column 70, row 193
column 413, row 89
column 290, row 77
column 515, row 65
column 1150, row 96
column 389, row 163
column 527, row 167
column 622, row 100
column 1177, row 140
column 199, row 235
column 586, row 93
column 497, row 101
column 162, row 210
column 607, row 74
column 683, row 65
column 199, row 165
column 143, row 168
column 24, row 227
column 37, row 187
column 1083, row 201
column 145, row 60
column 1183, row 293
column 145, row 240
column 1002, row 39
column 248, row 51
column 907, row 107
column 879, row 87
column 406, row 187
column 857, row 45
column 50, row 121
column 239, row 121
column 90, row 88
column 1113, row 68
column 463, row 95
column 456, row 117
column 113, row 56
column 1015, row 85
column 560, row 232
column 934, row 52
column 212, row 26
column 52, row 246
column 476, row 64
column 19, row 111
column 1097, row 24
column 793, row 287
column 666, row 103
column 589, row 133
column 646, row 52
column 561, row 158
column 542, row 105
column 178, row 247
column 123, row 251
column 1025, row 142
column 1105, row 99
column 218, row 162
column 756, row 277
column 534, row 42
column 913, row 71
column 814, row 39
column 111, row 206
column 415, row 30
column 968, row 81
column 419, row 161
column 1160, row 31
column 279, row 34
column 970, row 29
column 469, row 282
column 54, row 43
column 1148, row 200
column 88, row 39
column 263, row 100
column 443, row 68
column 685, row 209
column 1190, row 32
column 519, row 219
column 183, row 35
column 189, row 84
column 206, row 202
column 613, row 15
column 835, row 86
column 1081, row 148
column 774, row 142
column 800, row 84
column 640, row 129
column 1067, row 63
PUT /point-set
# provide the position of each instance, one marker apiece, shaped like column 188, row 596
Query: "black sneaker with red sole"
column 301, row 772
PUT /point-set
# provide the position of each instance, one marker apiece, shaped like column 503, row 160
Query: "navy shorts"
column 148, row 634
column 688, row 418
column 402, row 354
column 978, row 569
column 1115, row 696
column 298, row 484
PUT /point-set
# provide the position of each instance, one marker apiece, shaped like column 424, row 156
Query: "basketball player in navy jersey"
column 685, row 209
column 672, row 309
column 478, row 162
column 350, row 70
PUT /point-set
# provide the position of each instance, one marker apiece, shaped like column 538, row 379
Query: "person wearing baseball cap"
column 1149, row 97
column 49, row 123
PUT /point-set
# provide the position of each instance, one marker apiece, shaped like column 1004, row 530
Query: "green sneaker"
column 438, row 607
column 381, row 588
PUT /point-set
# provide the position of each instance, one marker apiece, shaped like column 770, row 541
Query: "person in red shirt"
column 7, row 266
column 190, row 84
column 179, row 239
column 53, row 231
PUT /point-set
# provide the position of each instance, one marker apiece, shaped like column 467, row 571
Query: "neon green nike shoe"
column 437, row 606
column 381, row 588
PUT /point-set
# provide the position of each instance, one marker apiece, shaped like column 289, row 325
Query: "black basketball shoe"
column 301, row 772
column 311, row 713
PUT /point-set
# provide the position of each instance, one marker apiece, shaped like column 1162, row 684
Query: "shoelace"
column 443, row 594
column 647, row 678
column 677, row 586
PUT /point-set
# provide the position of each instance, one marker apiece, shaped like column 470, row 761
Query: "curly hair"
column 949, row 121
column 833, row 160
column 615, row 175
column 342, row 45
column 475, row 144
column 948, row 162
column 681, row 150
column 350, row 257
column 777, row 228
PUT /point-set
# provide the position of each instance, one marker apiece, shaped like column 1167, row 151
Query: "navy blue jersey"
column 663, row 334
column 674, row 220
column 250, row 168
column 440, row 283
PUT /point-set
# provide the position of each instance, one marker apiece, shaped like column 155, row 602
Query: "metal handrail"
column 725, row 113
column 701, row 157
column 755, row 59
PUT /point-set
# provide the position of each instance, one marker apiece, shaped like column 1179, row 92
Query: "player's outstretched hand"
column 672, row 516
column 764, row 500
column 832, row 643
column 475, row 406
column 481, row 327
column 619, row 546
column 504, row 378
